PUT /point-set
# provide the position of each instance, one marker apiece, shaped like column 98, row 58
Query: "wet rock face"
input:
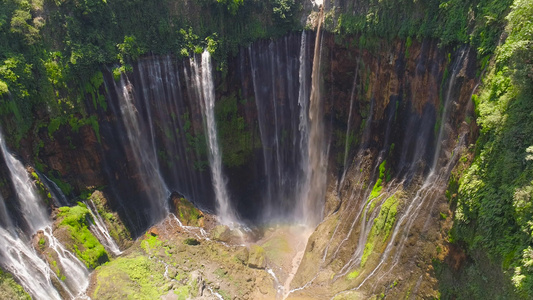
column 409, row 115
column 383, row 104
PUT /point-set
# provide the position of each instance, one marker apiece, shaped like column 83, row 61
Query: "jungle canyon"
column 275, row 149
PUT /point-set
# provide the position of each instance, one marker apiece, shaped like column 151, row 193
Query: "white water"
column 203, row 81
column 315, row 193
column 32, row 209
column 318, row 2
column 143, row 150
column 100, row 230
column 75, row 272
column 17, row 254
column 21, row 260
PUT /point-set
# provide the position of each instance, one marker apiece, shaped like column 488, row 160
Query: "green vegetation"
column 182, row 292
column 9, row 289
column 150, row 243
column 42, row 189
column 133, row 277
column 478, row 23
column 83, row 243
column 235, row 135
column 52, row 52
column 352, row 275
column 494, row 214
column 376, row 190
column 381, row 228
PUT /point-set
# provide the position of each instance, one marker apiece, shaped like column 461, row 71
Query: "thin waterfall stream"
column 203, row 81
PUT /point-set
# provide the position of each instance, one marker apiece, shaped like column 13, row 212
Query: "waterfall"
column 75, row 272
column 20, row 259
column 314, row 196
column 202, row 78
column 434, row 184
column 141, row 141
column 281, row 102
column 100, row 231
column 32, row 209
column 291, row 128
column 17, row 255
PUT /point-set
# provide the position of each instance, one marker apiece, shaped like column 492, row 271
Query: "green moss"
column 277, row 248
column 84, row 244
column 53, row 126
column 65, row 187
column 10, row 289
column 352, row 275
column 41, row 187
column 224, row 295
column 188, row 214
column 136, row 277
column 376, row 190
column 381, row 227
column 150, row 243
column 115, row 226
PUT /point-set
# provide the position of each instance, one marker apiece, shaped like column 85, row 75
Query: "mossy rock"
column 186, row 212
column 10, row 289
column 114, row 224
column 81, row 241
column 257, row 258
column 221, row 233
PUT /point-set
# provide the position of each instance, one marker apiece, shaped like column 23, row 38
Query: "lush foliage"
column 84, row 244
column 455, row 21
column 52, row 52
column 494, row 207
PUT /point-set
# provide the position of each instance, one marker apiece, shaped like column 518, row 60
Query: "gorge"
column 266, row 150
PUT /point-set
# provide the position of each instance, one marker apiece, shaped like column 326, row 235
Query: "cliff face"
column 409, row 124
column 372, row 99
column 397, row 118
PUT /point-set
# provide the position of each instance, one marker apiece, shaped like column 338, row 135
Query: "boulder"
column 257, row 258
column 221, row 233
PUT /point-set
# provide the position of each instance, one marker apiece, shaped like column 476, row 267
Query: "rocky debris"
column 257, row 258
column 164, row 266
